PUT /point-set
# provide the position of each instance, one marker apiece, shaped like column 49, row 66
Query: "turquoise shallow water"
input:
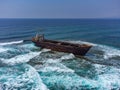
column 26, row 67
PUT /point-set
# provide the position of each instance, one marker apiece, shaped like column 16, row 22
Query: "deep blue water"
column 26, row 67
column 102, row 31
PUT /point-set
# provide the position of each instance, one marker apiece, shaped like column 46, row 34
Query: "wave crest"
column 13, row 42
column 19, row 59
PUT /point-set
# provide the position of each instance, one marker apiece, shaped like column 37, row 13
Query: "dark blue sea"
column 23, row 66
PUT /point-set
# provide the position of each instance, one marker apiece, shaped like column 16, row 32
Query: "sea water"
column 26, row 67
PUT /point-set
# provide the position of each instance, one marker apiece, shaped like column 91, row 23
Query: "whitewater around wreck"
column 24, row 66
column 76, row 49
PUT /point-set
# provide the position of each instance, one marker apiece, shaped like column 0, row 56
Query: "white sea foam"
column 55, row 69
column 56, row 65
column 109, row 81
column 109, row 51
column 110, row 77
column 37, row 80
column 19, row 59
column 53, row 66
column 62, row 76
column 82, row 42
column 70, row 56
column 45, row 50
column 23, row 77
column 28, row 46
column 70, row 82
column 107, row 77
column 2, row 49
column 9, row 43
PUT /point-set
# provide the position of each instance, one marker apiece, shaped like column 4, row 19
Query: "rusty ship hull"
column 76, row 49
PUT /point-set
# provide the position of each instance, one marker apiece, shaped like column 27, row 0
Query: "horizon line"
column 59, row 18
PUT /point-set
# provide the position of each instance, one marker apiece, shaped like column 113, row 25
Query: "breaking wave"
column 109, row 52
column 108, row 77
column 18, row 59
column 2, row 49
column 68, row 72
column 57, row 71
column 57, row 76
column 13, row 42
column 22, row 77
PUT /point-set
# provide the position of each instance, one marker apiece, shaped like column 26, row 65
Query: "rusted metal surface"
column 76, row 49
